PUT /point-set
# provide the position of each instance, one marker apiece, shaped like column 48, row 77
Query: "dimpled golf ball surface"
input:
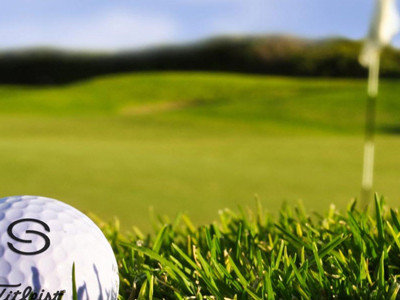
column 40, row 240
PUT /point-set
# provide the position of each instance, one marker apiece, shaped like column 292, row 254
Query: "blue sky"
column 126, row 24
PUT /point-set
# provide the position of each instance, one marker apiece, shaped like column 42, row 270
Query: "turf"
column 193, row 142
column 350, row 254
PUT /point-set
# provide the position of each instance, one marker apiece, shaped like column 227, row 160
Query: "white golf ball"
column 40, row 240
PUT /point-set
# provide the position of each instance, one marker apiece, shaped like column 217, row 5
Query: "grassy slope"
column 192, row 141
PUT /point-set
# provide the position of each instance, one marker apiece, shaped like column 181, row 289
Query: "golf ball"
column 40, row 241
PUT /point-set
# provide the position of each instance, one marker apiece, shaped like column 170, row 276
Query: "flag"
column 385, row 25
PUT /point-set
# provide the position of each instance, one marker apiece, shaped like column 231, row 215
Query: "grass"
column 193, row 142
column 251, row 255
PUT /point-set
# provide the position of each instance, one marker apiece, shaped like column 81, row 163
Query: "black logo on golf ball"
column 41, row 234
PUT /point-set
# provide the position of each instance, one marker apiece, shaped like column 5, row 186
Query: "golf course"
column 193, row 142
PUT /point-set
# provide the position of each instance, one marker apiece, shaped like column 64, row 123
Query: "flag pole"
column 385, row 25
column 370, row 121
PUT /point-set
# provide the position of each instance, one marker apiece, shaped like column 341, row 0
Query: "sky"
column 132, row 24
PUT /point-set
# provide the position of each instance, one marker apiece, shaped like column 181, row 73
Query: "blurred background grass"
column 198, row 142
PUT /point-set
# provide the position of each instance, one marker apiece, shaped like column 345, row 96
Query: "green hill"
column 272, row 104
column 272, row 55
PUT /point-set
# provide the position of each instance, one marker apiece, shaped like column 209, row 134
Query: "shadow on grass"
column 390, row 129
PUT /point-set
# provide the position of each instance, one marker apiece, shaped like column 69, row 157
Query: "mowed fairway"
column 194, row 142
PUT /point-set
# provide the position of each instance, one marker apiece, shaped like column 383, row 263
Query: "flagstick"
column 369, row 148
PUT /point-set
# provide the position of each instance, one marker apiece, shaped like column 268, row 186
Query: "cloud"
column 123, row 24
column 108, row 30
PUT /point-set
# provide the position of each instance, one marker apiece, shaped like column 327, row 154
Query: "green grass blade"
column 393, row 233
column 381, row 273
column 74, row 290
column 160, row 238
column 292, row 237
column 379, row 223
column 395, row 220
column 184, row 256
column 242, row 280
column 319, row 264
column 172, row 269
column 238, row 241
column 332, row 245
column 270, row 292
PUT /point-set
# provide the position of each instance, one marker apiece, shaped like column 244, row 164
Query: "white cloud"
column 105, row 24
column 108, row 30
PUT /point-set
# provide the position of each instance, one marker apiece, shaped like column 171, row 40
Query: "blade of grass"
column 74, row 290
column 379, row 223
